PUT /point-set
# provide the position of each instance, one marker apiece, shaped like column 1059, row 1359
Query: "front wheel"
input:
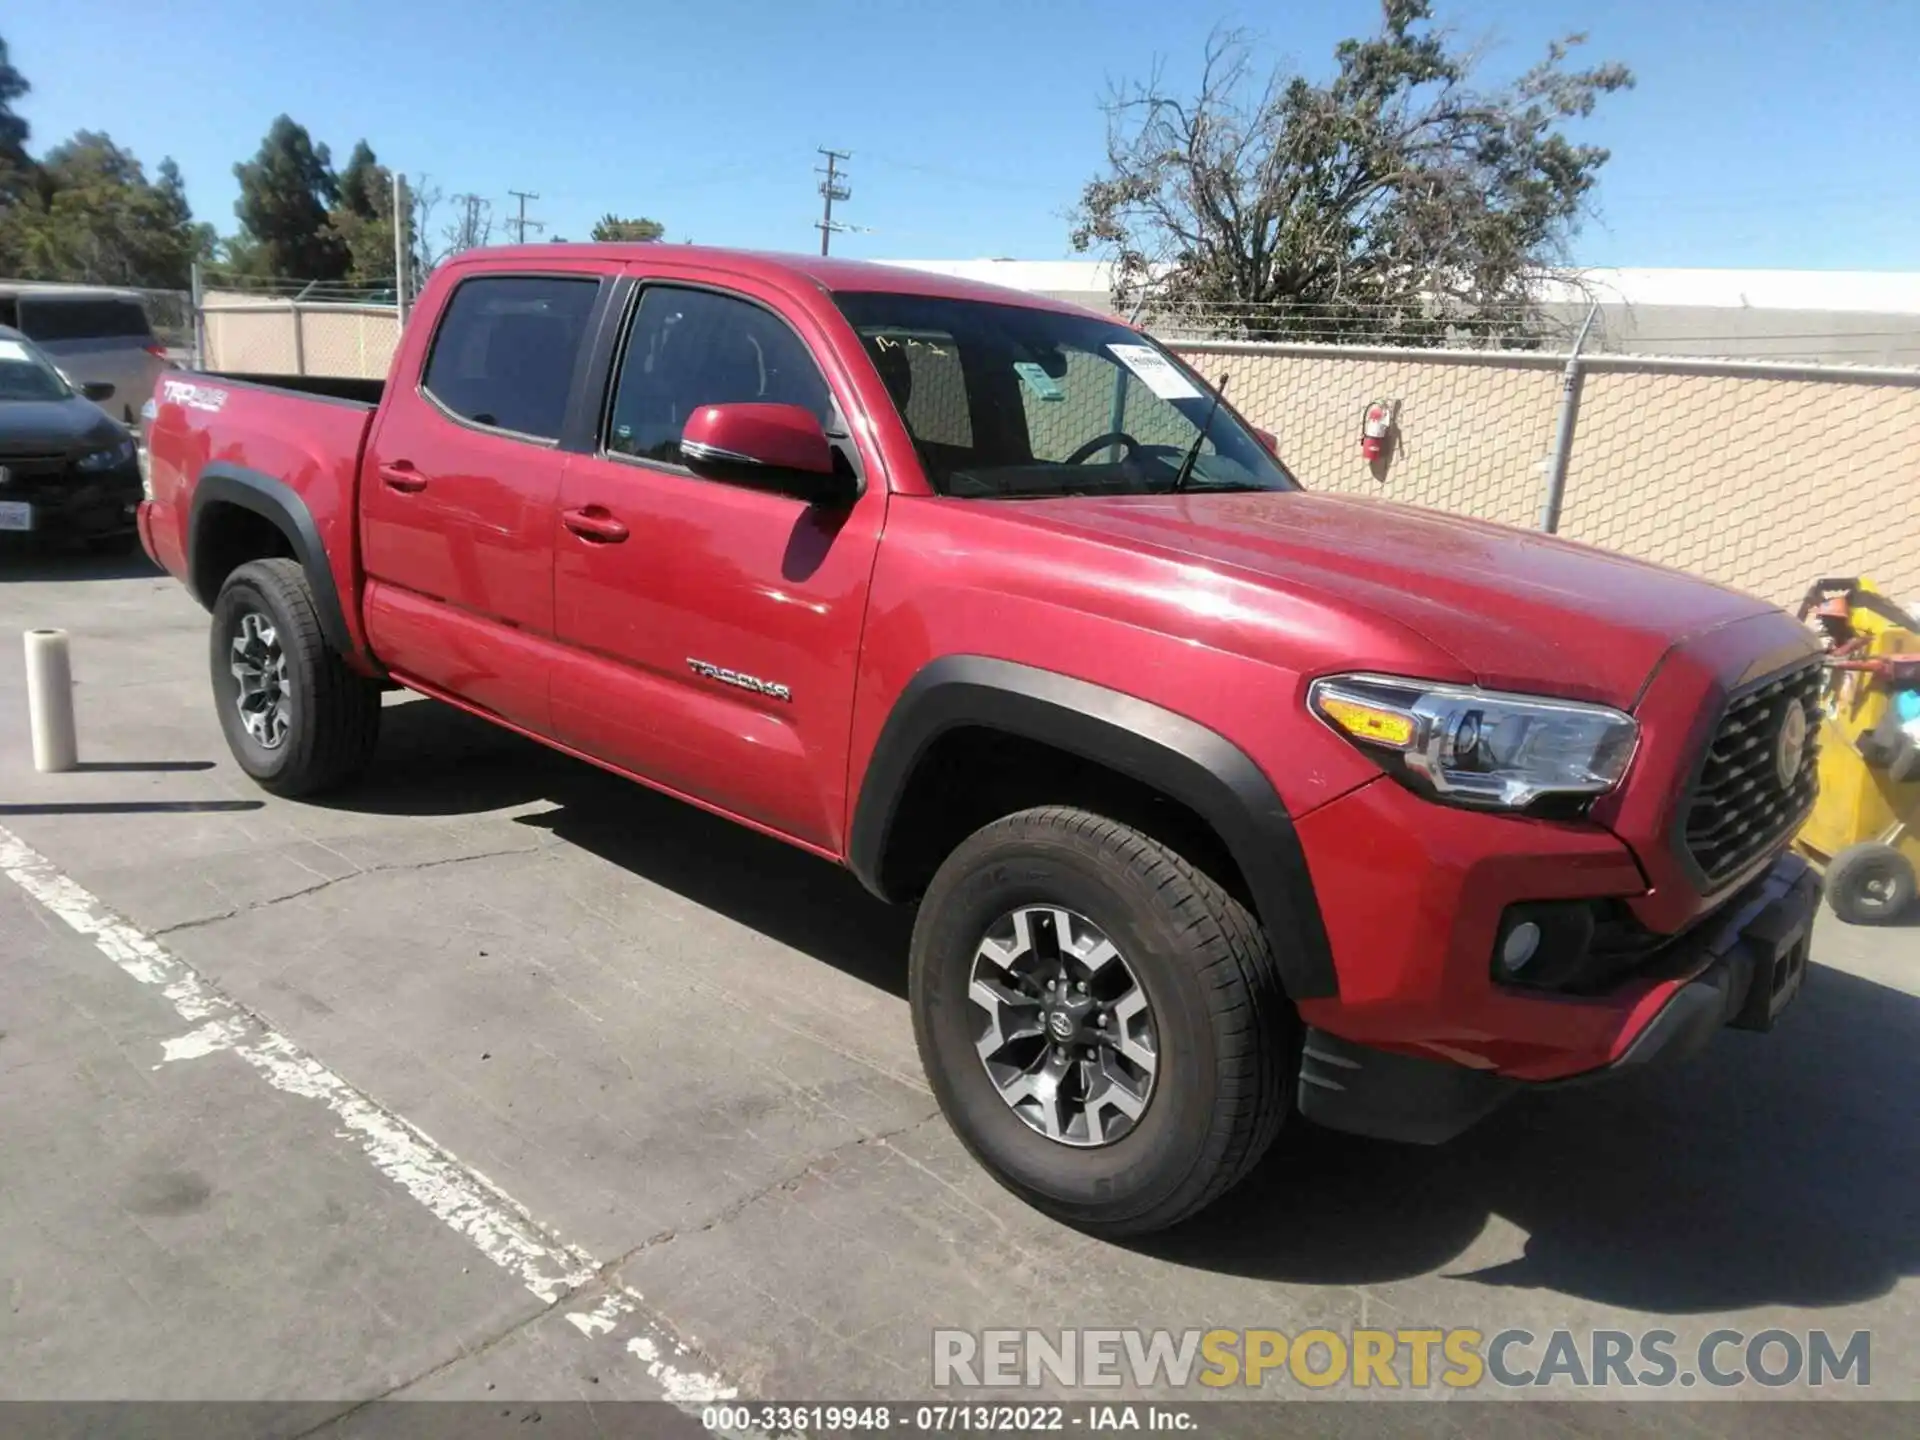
column 298, row 719
column 1102, row 1024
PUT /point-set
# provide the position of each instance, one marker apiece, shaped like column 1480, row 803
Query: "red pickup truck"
column 1221, row 801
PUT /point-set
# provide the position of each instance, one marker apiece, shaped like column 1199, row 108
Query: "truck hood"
column 1518, row 609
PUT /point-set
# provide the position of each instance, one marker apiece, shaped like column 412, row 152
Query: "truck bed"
column 279, row 445
column 325, row 387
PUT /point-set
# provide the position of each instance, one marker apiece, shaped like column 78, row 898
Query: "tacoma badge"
column 734, row 677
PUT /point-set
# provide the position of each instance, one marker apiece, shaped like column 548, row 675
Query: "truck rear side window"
column 505, row 351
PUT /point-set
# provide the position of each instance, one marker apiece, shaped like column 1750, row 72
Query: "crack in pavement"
column 734, row 1209
column 461, row 1354
column 384, row 868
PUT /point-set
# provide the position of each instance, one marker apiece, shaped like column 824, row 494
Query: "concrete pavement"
column 684, row 1052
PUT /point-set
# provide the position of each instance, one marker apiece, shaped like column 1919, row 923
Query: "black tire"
column 1880, row 746
column 1228, row 1036
column 1904, row 767
column 1869, row 884
column 333, row 711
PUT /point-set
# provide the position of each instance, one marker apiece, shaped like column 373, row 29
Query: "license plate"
column 15, row 515
column 1779, row 970
column 1789, row 972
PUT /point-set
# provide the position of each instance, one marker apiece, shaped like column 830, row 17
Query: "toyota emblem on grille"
column 1790, row 745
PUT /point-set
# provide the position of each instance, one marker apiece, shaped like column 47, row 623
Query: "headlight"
column 1479, row 747
column 120, row 452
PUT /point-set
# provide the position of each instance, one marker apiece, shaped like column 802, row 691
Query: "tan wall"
column 1761, row 482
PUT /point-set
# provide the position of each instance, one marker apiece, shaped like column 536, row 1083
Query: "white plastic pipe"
column 50, row 701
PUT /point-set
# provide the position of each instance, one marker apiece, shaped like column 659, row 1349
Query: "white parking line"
column 491, row 1220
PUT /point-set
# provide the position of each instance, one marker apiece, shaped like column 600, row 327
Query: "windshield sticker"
column 903, row 341
column 1155, row 371
column 1038, row 380
column 13, row 350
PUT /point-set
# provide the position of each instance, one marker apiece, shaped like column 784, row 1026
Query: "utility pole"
column 402, row 243
column 476, row 226
column 521, row 223
column 831, row 190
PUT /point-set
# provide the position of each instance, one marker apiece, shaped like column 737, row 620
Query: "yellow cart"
column 1865, row 826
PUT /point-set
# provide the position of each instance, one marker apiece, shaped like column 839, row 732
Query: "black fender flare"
column 1179, row 757
column 273, row 500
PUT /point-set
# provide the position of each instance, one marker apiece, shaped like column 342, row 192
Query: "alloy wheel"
column 259, row 663
column 1063, row 1026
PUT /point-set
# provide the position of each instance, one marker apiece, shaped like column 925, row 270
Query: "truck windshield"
column 1013, row 402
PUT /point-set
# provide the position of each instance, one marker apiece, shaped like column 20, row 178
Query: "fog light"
column 1521, row 945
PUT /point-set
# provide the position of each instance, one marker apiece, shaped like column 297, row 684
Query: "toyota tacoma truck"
column 1222, row 801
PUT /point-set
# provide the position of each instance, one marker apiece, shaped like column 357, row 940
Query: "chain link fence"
column 1761, row 480
column 1759, row 475
column 295, row 327
column 258, row 335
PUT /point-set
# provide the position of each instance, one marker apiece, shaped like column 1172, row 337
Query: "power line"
column 521, row 224
column 831, row 190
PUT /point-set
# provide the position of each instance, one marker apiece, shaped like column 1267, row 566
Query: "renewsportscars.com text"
column 1418, row 1359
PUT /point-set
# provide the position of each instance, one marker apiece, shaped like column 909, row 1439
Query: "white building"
column 1846, row 316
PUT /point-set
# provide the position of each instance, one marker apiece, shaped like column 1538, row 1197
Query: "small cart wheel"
column 1869, row 884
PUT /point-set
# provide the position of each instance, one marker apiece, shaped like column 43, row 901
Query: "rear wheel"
column 297, row 718
column 1869, row 884
column 1103, row 1024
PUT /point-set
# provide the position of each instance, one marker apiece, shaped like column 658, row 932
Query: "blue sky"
column 1763, row 132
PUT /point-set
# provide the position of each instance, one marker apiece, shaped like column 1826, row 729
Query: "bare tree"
column 473, row 228
column 425, row 197
column 1396, row 193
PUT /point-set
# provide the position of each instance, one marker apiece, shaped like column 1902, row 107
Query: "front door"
column 458, row 493
column 710, row 630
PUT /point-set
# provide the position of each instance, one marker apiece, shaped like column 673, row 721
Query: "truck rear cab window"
column 505, row 351
column 689, row 348
column 81, row 318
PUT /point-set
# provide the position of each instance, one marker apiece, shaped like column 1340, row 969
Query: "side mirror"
column 1267, row 439
column 780, row 447
column 97, row 390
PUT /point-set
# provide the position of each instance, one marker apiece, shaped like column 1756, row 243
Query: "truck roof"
column 829, row 274
column 59, row 290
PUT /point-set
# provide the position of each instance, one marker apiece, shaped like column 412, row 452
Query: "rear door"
column 459, row 487
column 712, row 630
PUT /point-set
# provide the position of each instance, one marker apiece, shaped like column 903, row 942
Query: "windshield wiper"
column 1185, row 472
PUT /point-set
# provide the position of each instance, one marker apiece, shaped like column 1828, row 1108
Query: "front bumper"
column 1741, row 968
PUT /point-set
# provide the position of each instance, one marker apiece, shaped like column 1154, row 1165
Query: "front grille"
column 38, row 479
column 34, row 464
column 1739, row 809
